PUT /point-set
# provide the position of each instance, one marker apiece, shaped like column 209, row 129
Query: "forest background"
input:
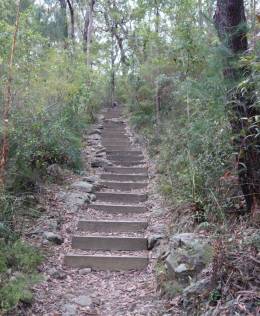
column 61, row 61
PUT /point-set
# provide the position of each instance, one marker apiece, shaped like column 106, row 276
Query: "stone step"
column 113, row 124
column 125, row 157
column 124, row 186
column 113, row 134
column 126, row 153
column 107, row 143
column 125, row 170
column 121, row 198
column 111, row 263
column 108, row 226
column 123, row 177
column 118, row 147
column 109, row 243
column 118, row 209
column 114, row 129
column 126, row 163
column 117, row 138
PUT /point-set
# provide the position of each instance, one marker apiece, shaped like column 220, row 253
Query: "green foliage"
column 55, row 98
column 16, row 291
column 192, row 138
column 23, row 260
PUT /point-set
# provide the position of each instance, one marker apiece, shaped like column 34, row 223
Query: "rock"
column 93, row 197
column 158, row 212
column 75, row 200
column 201, row 289
column 178, row 270
column 158, row 229
column 82, row 186
column 57, row 274
column 90, row 179
column 52, row 224
column 154, row 241
column 189, row 255
column 185, row 240
column 83, row 300
column 100, row 163
column 100, row 155
column 55, row 238
column 85, row 271
column 69, row 310
column 55, row 171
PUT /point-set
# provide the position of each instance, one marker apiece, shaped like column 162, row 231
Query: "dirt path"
column 82, row 290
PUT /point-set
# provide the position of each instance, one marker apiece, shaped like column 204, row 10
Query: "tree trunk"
column 112, row 69
column 230, row 22
column 88, row 30
column 65, row 33
column 72, row 19
column 8, row 102
column 158, row 95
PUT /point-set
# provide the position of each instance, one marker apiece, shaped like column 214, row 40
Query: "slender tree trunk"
column 8, row 102
column 72, row 20
column 113, row 79
column 88, row 30
column 158, row 90
column 230, row 22
column 65, row 32
column 200, row 13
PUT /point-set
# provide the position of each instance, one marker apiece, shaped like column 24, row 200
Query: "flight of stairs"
column 124, row 195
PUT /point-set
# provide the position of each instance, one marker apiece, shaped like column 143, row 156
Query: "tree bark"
column 72, row 19
column 88, row 30
column 230, row 22
column 65, row 32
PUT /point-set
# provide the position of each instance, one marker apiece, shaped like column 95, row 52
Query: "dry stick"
column 8, row 102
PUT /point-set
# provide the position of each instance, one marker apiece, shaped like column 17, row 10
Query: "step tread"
column 123, row 186
column 123, row 177
column 112, row 225
column 111, row 263
column 121, row 197
column 127, row 170
column 118, row 209
column 109, row 243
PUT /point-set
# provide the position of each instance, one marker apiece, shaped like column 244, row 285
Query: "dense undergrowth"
column 55, row 96
column 176, row 100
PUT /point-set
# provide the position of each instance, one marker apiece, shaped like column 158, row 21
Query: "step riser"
column 109, row 243
column 121, row 198
column 123, row 177
column 98, row 263
column 111, row 226
column 123, row 186
column 126, row 170
column 119, row 209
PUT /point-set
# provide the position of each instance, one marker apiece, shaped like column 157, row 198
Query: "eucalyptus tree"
column 244, row 114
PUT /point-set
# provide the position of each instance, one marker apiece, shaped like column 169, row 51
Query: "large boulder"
column 189, row 254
